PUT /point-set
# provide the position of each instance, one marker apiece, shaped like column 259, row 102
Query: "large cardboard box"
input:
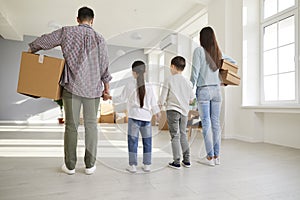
column 226, row 65
column 229, row 78
column 40, row 75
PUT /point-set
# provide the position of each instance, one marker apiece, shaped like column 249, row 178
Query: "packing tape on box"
column 41, row 58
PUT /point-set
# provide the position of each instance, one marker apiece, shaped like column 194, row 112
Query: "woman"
column 207, row 60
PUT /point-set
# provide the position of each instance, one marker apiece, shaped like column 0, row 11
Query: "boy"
column 176, row 95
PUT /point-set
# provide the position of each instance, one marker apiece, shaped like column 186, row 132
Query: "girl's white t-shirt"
column 130, row 96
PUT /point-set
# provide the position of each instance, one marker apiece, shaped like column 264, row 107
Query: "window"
column 279, row 52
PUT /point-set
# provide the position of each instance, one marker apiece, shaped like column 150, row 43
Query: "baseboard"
column 242, row 138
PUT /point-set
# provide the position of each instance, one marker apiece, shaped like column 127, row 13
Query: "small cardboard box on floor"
column 107, row 114
column 40, row 75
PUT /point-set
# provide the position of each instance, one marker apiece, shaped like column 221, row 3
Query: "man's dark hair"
column 85, row 13
column 178, row 62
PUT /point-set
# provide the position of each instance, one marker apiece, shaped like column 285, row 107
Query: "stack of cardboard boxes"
column 228, row 73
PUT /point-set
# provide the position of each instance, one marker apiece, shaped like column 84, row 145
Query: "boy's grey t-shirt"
column 176, row 94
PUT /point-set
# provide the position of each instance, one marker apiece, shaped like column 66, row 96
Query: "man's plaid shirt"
column 86, row 58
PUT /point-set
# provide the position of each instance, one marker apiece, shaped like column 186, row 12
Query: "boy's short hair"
column 178, row 62
column 85, row 13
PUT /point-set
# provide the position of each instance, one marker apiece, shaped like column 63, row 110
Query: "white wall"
column 14, row 106
column 282, row 129
column 249, row 124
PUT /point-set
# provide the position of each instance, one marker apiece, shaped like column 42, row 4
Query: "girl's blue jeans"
column 134, row 127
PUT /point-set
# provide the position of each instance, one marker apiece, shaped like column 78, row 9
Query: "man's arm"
column 104, row 63
column 46, row 41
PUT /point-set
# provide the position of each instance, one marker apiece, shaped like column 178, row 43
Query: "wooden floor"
column 31, row 156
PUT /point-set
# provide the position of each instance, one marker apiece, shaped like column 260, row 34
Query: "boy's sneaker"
column 66, row 170
column 205, row 161
column 89, row 171
column 131, row 168
column 146, row 168
column 174, row 165
column 186, row 164
column 217, row 161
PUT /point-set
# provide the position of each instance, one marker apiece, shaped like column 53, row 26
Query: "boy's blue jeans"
column 134, row 127
column 209, row 100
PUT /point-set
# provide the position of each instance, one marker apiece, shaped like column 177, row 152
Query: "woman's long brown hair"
column 212, row 52
column 139, row 68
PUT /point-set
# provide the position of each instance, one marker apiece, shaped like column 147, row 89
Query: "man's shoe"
column 174, row 165
column 66, row 170
column 131, row 168
column 186, row 164
column 89, row 171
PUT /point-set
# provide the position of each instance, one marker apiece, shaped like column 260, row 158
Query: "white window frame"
column 292, row 11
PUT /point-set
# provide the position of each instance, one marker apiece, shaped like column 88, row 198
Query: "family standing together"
column 86, row 78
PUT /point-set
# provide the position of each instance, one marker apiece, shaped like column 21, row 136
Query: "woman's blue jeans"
column 134, row 127
column 209, row 100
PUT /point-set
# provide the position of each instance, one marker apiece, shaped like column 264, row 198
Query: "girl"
column 141, row 105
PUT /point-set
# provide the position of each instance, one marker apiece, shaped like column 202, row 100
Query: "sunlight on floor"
column 39, row 147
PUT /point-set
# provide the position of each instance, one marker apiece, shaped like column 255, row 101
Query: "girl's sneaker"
column 131, row 168
column 146, row 168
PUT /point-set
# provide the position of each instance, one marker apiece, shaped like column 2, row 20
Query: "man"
column 85, row 79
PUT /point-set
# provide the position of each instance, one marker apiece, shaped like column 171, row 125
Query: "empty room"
column 135, row 99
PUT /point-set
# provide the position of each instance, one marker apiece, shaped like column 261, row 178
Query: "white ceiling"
column 135, row 23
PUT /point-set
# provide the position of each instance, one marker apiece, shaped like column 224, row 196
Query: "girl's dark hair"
column 212, row 52
column 139, row 68
column 85, row 13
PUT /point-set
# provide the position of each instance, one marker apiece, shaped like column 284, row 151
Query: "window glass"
column 287, row 86
column 270, row 36
column 284, row 4
column 286, row 31
column 270, row 8
column 270, row 88
column 270, row 62
column 286, row 58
